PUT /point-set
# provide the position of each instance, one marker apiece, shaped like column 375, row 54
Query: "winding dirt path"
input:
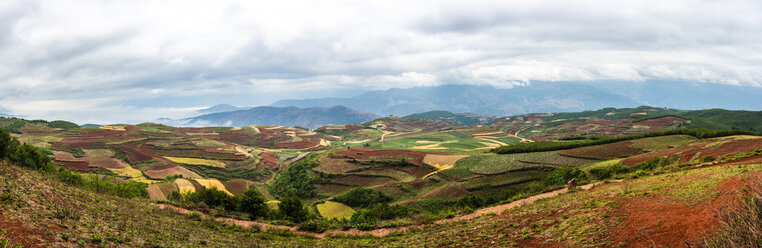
column 381, row 232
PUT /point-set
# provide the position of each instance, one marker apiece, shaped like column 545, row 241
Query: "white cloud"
column 94, row 54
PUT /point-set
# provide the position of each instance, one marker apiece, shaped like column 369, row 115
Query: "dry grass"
column 185, row 186
column 442, row 162
column 213, row 183
column 197, row 161
column 741, row 226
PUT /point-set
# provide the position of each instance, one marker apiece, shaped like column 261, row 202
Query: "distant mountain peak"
column 220, row 108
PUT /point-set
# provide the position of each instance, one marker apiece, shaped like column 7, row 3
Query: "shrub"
column 562, row 175
column 315, row 225
column 62, row 125
column 291, row 208
column 707, row 159
column 213, row 197
column 253, row 203
column 363, row 198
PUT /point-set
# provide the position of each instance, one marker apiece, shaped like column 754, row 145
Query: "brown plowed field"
column 414, row 157
column 602, row 152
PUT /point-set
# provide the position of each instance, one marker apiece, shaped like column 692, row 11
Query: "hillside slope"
column 39, row 211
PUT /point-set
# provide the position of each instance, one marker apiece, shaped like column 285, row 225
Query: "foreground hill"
column 669, row 209
column 281, row 116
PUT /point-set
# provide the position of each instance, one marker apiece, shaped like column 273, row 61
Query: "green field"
column 451, row 142
column 335, row 210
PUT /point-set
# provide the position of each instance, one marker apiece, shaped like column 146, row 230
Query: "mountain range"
column 280, row 116
column 544, row 97
column 441, row 102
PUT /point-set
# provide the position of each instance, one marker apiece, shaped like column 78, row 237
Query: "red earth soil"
column 268, row 159
column 736, row 147
column 669, row 152
column 607, row 151
column 201, row 154
column 27, row 237
column 659, row 222
column 368, row 154
column 132, row 128
column 76, row 165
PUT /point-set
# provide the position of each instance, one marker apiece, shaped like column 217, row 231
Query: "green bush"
column 562, row 175
column 253, row 203
column 291, row 208
column 362, row 198
column 213, row 197
column 62, row 124
column 297, row 180
column 707, row 159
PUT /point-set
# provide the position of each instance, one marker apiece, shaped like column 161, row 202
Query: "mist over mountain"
column 280, row 116
column 220, row 108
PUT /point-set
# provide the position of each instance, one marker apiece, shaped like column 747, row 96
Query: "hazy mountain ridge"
column 281, row 116
column 465, row 119
column 543, row 97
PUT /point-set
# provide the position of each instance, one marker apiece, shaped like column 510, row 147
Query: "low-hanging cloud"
column 97, row 55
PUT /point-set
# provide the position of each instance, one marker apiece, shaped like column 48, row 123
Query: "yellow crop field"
column 337, row 210
column 213, row 183
column 127, row 171
column 442, row 162
column 185, row 186
column 197, row 161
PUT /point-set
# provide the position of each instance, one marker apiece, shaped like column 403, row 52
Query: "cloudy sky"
column 129, row 61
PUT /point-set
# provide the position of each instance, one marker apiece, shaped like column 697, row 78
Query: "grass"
column 496, row 164
column 83, row 218
column 662, row 143
column 740, row 224
column 335, row 210
column 197, row 161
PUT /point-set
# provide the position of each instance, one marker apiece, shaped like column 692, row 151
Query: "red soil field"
column 735, row 147
column 101, row 133
column 268, row 159
column 371, row 154
column 132, row 128
column 335, row 166
column 669, row 152
column 171, row 171
column 76, row 165
column 361, row 180
column 607, row 151
column 132, row 153
column 332, row 188
column 647, row 220
column 198, row 153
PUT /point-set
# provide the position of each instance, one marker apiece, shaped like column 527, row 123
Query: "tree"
column 252, row 203
column 291, row 208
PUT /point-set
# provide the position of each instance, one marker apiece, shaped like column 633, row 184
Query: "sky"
column 131, row 61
